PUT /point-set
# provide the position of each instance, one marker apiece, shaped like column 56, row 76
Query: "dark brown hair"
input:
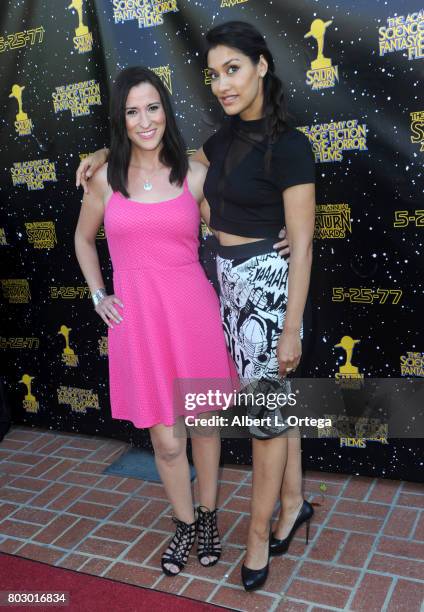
column 173, row 153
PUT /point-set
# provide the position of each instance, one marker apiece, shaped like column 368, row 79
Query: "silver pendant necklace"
column 147, row 185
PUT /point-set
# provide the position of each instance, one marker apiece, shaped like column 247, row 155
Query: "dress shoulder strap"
column 185, row 184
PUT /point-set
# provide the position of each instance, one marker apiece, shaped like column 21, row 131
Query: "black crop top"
column 244, row 199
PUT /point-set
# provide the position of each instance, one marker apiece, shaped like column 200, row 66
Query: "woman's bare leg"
column 291, row 496
column 171, row 461
column 269, row 461
column 206, row 451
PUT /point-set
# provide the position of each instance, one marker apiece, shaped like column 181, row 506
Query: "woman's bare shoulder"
column 98, row 182
column 196, row 178
column 197, row 169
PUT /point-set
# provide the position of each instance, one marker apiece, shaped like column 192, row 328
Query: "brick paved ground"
column 366, row 553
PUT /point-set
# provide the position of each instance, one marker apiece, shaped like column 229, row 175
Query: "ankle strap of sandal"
column 205, row 510
column 181, row 524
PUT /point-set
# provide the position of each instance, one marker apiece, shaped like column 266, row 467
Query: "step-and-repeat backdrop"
column 353, row 74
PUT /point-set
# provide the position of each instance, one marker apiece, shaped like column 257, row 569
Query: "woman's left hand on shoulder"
column 289, row 351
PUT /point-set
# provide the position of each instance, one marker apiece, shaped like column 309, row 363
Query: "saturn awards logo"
column 348, row 373
column 332, row 221
column 103, row 346
column 30, row 402
column 164, row 73
column 69, row 357
column 417, row 126
column 16, row 290
column 41, row 234
column 23, row 124
column 83, row 39
column 322, row 74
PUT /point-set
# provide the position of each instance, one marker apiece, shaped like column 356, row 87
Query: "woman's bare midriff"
column 225, row 239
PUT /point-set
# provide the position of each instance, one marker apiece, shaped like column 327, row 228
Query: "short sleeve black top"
column 245, row 199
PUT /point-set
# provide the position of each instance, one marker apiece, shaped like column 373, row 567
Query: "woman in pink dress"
column 163, row 318
column 260, row 172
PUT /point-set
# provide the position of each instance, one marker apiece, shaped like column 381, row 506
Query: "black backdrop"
column 361, row 104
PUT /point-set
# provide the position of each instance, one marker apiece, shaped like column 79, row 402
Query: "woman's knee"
column 169, row 451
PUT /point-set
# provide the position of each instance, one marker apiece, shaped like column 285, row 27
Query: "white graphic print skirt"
column 253, row 282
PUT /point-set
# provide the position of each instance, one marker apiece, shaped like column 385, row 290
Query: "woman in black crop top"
column 261, row 175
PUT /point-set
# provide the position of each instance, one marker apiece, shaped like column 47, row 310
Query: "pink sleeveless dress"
column 171, row 328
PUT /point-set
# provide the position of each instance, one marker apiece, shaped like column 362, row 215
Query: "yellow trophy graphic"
column 348, row 370
column 17, row 93
column 103, row 350
column 23, row 124
column 82, row 29
column 26, row 380
column 30, row 401
column 317, row 31
column 68, row 355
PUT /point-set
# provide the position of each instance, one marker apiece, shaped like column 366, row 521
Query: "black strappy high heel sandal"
column 208, row 543
column 179, row 548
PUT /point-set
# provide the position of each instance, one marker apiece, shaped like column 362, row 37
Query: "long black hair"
column 173, row 153
column 247, row 39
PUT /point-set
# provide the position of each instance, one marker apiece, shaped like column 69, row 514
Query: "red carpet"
column 88, row 593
